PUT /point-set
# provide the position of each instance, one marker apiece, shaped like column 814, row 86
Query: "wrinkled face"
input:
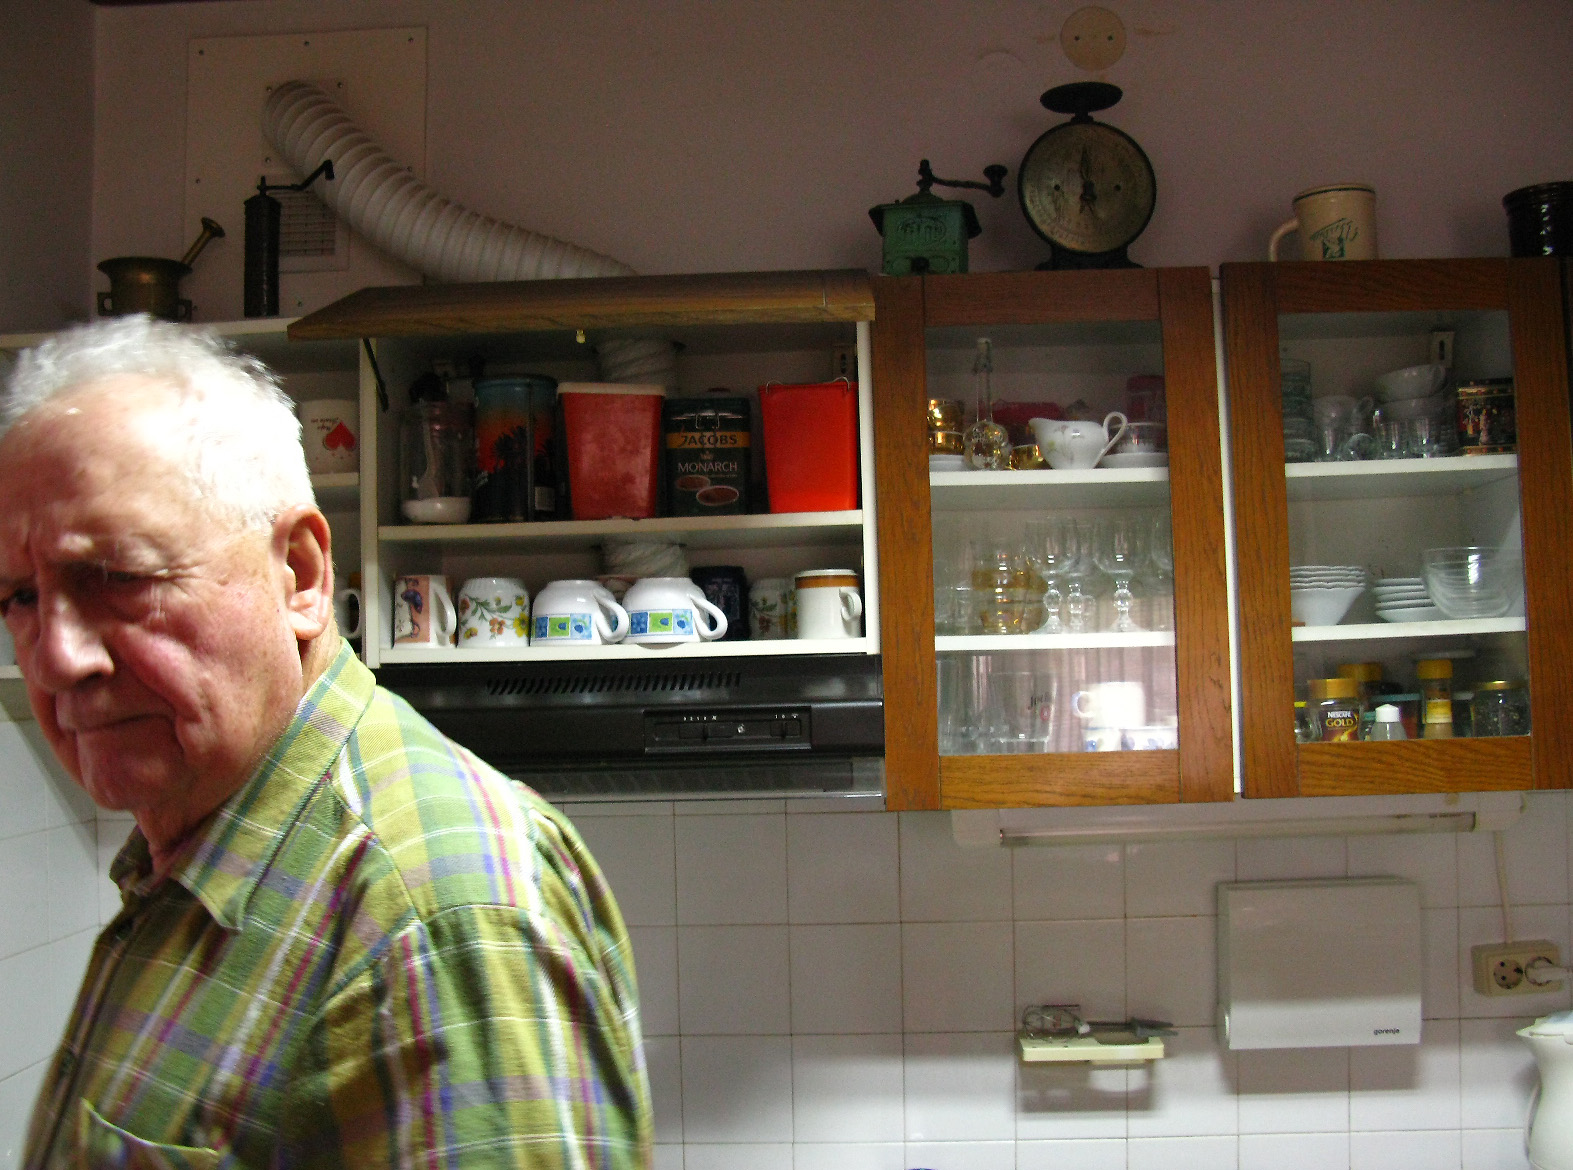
column 152, row 637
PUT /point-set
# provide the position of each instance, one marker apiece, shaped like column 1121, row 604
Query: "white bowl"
column 1411, row 381
column 438, row 510
column 1322, row 607
column 1409, row 613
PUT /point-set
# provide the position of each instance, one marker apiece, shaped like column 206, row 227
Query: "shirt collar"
column 224, row 861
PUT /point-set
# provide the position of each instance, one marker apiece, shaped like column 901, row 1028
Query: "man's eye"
column 22, row 595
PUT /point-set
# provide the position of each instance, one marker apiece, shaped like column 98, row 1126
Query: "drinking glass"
column 1055, row 554
column 1120, row 551
column 1017, row 717
column 1160, row 555
column 1081, row 607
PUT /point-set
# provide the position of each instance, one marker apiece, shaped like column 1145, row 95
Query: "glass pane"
column 1053, row 585
column 1404, row 528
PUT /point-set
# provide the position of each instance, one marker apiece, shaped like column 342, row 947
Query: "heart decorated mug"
column 1076, row 444
column 664, row 611
column 577, row 612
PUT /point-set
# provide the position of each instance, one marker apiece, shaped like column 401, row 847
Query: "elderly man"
column 343, row 938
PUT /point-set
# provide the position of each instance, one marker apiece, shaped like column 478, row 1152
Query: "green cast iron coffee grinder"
column 924, row 233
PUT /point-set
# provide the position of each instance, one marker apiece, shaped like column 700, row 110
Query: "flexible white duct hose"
column 404, row 217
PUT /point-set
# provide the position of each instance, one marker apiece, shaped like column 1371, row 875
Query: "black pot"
column 1540, row 219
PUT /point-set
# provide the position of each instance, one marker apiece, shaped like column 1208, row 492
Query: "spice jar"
column 1436, row 697
column 1500, row 707
column 1335, row 708
column 1368, row 675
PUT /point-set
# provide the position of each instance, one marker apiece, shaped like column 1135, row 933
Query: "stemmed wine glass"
column 1120, row 550
column 987, row 444
column 1055, row 552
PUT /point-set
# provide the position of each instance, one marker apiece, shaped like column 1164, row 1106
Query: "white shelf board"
column 10, row 673
column 979, row 643
column 782, row 530
column 337, row 491
column 1404, row 631
column 954, row 491
column 1378, row 479
column 702, row 650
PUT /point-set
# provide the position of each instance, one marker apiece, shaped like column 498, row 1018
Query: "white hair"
column 244, row 452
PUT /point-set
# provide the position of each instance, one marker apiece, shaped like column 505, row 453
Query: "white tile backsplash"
column 843, row 867
column 846, row 979
column 829, row 991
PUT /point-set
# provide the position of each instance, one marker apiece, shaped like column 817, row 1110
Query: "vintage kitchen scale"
column 1086, row 187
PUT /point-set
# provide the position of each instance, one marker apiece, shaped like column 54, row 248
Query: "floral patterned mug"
column 494, row 611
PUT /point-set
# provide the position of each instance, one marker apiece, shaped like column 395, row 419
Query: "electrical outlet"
column 844, row 362
column 1499, row 967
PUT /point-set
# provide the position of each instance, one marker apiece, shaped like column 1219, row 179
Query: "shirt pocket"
column 102, row 1143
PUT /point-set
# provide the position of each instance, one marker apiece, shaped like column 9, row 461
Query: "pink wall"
column 46, row 192
column 692, row 136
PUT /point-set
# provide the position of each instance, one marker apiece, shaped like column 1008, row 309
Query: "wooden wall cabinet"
column 1057, row 336
column 1352, row 322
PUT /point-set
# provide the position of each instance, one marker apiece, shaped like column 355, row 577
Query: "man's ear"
column 303, row 549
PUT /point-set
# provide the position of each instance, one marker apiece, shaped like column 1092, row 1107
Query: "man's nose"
column 68, row 649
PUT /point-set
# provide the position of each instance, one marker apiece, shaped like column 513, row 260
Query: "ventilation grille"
column 695, row 680
column 306, row 226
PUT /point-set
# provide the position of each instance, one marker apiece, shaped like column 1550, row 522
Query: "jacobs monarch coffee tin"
column 708, row 444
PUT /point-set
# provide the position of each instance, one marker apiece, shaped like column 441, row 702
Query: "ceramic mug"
column 667, row 610
column 349, row 611
column 330, row 433
column 1335, row 222
column 1072, row 444
column 423, row 613
column 1111, row 705
column 771, row 603
column 828, row 604
column 577, row 612
column 494, row 611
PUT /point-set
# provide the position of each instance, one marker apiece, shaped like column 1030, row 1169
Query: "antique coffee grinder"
column 264, row 215
column 924, row 233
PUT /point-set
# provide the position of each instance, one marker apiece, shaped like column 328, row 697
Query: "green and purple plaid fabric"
column 379, row 952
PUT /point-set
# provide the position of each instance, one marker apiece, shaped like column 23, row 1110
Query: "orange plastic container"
column 612, row 433
column 811, row 445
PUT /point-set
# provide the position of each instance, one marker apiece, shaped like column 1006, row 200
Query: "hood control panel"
column 751, row 730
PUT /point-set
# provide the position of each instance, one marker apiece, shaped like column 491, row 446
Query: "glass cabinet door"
column 1072, row 582
column 1401, row 460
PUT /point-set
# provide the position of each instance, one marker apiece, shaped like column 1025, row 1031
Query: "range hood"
column 685, row 728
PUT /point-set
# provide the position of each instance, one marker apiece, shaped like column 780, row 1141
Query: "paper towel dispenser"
column 1319, row 964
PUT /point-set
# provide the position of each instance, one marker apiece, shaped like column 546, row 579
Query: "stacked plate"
column 1320, row 595
column 1405, row 599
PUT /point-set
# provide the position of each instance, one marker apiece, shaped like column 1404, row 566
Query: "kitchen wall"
column 838, row 991
column 46, row 142
column 686, row 136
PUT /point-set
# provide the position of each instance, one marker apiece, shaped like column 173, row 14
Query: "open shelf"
column 400, row 655
column 1388, row 478
column 338, row 491
column 783, row 530
column 1099, row 487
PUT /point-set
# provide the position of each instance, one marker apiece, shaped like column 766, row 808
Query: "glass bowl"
column 1471, row 581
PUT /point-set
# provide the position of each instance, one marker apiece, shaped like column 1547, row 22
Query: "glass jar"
column 1435, row 676
column 1368, row 675
column 1500, row 707
column 1335, row 709
column 437, row 462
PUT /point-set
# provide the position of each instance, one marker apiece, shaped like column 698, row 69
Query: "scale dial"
column 1085, row 186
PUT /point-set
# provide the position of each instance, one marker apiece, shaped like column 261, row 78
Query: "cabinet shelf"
column 339, row 491
column 980, row 643
column 1408, row 631
column 746, row 649
column 1098, row 487
column 782, row 530
column 1390, row 478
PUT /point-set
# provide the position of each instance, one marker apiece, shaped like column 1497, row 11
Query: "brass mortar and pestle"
column 151, row 284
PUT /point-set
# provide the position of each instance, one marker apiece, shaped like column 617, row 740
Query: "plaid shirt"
column 379, row 952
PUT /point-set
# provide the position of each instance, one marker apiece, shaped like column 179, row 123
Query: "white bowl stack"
column 1405, row 599
column 1320, row 595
